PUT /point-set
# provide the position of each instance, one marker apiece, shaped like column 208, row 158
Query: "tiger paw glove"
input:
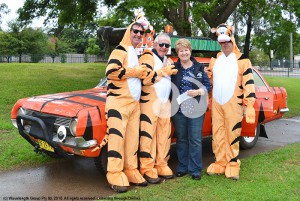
column 250, row 114
column 138, row 71
column 167, row 71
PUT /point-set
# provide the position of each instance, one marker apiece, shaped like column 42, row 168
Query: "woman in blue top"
column 189, row 104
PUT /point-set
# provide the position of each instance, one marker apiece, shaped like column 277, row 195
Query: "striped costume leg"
column 233, row 121
column 163, row 135
column 131, row 145
column 148, row 139
column 117, row 119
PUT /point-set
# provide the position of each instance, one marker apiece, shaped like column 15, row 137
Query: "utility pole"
column 271, row 57
column 291, row 52
column 291, row 43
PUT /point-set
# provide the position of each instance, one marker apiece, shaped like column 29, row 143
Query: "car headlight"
column 14, row 122
column 21, row 111
column 73, row 125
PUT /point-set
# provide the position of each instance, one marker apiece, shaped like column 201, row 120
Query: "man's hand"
column 250, row 114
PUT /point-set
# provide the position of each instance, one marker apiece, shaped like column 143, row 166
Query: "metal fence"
column 280, row 68
column 63, row 58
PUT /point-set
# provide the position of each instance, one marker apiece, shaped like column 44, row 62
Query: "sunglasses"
column 164, row 44
column 137, row 31
column 225, row 42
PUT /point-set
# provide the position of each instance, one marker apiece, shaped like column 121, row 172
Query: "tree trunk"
column 220, row 13
column 179, row 18
column 248, row 36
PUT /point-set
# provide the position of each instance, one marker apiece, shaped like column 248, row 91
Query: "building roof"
column 199, row 44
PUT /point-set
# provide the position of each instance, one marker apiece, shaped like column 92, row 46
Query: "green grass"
column 25, row 80
column 268, row 176
column 292, row 86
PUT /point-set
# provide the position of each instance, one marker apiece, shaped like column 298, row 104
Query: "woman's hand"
column 196, row 92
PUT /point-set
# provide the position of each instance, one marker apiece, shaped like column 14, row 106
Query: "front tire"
column 101, row 161
column 250, row 142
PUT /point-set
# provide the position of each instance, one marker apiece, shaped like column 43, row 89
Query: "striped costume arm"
column 248, row 91
column 148, row 60
column 117, row 66
column 209, row 70
column 248, row 83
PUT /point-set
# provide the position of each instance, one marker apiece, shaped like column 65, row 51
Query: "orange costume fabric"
column 155, row 131
column 233, row 87
column 123, row 114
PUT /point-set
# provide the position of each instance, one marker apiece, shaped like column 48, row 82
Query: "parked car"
column 74, row 123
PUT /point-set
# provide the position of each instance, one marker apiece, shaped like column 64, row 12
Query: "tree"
column 8, row 45
column 176, row 12
column 258, row 58
column 214, row 12
column 3, row 10
column 61, row 12
column 248, row 15
column 28, row 41
column 275, row 27
column 35, row 43
column 57, row 47
column 93, row 48
column 75, row 38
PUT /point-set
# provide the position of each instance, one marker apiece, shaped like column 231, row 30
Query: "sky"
column 13, row 5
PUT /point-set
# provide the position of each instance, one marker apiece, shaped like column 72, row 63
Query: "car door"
column 264, row 98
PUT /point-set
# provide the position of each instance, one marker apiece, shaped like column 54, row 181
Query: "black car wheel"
column 250, row 142
column 101, row 161
column 53, row 154
column 59, row 154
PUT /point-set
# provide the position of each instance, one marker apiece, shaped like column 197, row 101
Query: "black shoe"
column 180, row 174
column 119, row 189
column 152, row 180
column 196, row 177
column 145, row 183
column 167, row 176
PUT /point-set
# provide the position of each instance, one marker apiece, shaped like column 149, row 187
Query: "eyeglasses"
column 164, row 44
column 137, row 31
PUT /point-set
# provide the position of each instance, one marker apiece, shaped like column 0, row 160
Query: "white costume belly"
column 135, row 86
column 163, row 87
column 225, row 72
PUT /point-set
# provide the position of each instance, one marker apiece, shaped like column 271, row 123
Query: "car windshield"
column 103, row 82
column 257, row 79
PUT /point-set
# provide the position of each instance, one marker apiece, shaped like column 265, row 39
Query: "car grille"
column 59, row 121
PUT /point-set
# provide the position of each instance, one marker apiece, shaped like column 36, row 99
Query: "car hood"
column 67, row 104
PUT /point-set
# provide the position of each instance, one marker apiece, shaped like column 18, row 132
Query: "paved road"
column 79, row 177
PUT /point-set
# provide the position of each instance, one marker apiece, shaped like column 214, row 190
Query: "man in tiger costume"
column 233, row 86
column 155, row 134
column 123, row 74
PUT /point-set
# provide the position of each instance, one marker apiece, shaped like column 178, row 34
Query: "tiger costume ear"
column 213, row 30
column 223, row 31
column 139, row 18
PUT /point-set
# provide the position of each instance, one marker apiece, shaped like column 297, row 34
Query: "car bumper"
column 284, row 110
column 52, row 139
